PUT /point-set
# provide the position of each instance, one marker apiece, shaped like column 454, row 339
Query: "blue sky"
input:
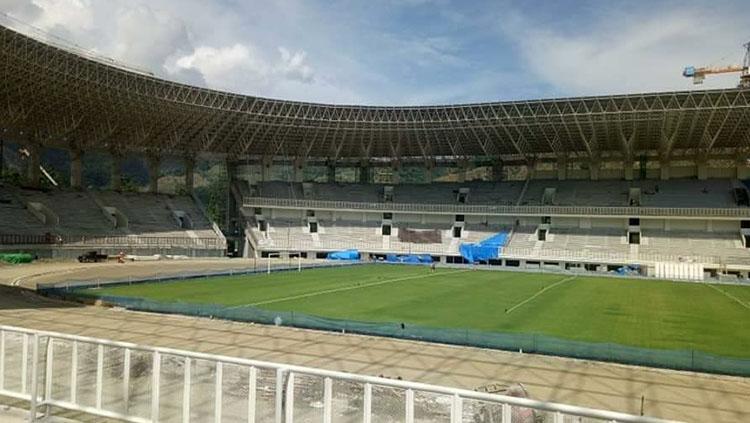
column 404, row 52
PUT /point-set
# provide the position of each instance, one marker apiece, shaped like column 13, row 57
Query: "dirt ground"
column 28, row 275
column 668, row 394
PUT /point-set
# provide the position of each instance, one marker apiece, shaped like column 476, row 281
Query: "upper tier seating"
column 687, row 193
column 712, row 193
column 579, row 193
column 281, row 189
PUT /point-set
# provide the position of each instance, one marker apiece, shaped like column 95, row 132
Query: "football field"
column 635, row 312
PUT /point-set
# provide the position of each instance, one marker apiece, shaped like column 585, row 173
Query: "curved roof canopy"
column 64, row 98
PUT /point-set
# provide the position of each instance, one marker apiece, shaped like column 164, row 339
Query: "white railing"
column 140, row 384
column 681, row 212
column 115, row 241
column 139, row 241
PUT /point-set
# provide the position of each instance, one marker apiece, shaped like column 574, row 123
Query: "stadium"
column 552, row 260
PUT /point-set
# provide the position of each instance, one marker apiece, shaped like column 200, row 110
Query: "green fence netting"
column 531, row 343
column 16, row 258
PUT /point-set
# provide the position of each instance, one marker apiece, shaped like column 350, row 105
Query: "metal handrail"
column 112, row 241
column 684, row 212
column 285, row 383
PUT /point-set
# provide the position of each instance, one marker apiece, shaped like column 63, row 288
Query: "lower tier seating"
column 560, row 243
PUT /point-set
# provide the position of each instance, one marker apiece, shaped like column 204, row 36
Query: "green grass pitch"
column 636, row 312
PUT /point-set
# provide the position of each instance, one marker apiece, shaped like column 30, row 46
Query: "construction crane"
column 699, row 74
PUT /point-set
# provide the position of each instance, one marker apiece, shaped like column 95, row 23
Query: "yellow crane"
column 699, row 74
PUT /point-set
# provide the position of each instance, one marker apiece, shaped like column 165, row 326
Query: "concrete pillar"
column 743, row 168
column 331, row 173
column 701, row 164
column 115, row 180
column 395, row 172
column 189, row 174
column 298, row 172
column 429, row 170
column 497, row 170
column 231, row 171
column 266, row 165
column 463, row 166
column 231, row 212
column 562, row 167
column 364, row 172
column 664, row 169
column 154, row 166
column 33, row 174
column 76, row 168
column 530, row 170
column 594, row 166
column 627, row 167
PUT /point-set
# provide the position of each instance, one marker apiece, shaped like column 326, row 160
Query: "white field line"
column 730, row 296
column 542, row 291
column 348, row 288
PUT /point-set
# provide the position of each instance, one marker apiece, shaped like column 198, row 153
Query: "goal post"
column 271, row 256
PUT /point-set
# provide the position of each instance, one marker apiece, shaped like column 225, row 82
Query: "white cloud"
column 157, row 37
column 627, row 53
column 147, row 37
column 242, row 67
column 400, row 51
column 429, row 51
column 71, row 14
column 293, row 65
column 226, row 67
column 21, row 9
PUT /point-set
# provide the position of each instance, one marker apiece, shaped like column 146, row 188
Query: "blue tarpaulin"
column 484, row 250
column 632, row 269
column 344, row 255
column 409, row 258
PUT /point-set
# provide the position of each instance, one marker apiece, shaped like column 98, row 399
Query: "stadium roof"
column 65, row 97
